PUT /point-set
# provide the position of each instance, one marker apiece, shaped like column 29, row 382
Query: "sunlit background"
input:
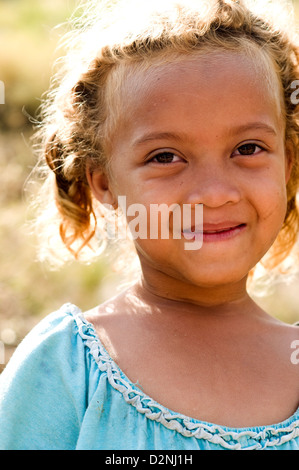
column 28, row 290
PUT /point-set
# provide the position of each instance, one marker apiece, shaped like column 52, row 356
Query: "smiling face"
column 202, row 130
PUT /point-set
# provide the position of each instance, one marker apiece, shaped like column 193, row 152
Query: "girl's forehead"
column 212, row 65
column 225, row 71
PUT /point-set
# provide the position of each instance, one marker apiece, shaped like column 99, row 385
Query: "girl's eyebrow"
column 157, row 136
column 259, row 125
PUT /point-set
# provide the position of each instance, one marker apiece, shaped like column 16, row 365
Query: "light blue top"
column 61, row 390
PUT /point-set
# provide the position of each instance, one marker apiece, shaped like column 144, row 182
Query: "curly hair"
column 79, row 117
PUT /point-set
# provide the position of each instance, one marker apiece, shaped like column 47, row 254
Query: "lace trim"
column 229, row 438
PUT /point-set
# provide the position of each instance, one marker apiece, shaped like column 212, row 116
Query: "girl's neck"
column 161, row 294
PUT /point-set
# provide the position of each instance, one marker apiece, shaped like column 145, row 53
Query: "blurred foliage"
column 28, row 35
column 28, row 291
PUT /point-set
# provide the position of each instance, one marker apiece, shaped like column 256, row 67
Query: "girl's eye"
column 165, row 157
column 248, row 149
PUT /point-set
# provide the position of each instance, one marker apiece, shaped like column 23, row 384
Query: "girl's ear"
column 99, row 184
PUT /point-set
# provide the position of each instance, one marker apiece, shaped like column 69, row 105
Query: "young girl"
column 192, row 104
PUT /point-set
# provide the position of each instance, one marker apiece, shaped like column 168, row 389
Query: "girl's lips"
column 215, row 232
column 222, row 234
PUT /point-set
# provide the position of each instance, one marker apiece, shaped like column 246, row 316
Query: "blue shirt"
column 61, row 390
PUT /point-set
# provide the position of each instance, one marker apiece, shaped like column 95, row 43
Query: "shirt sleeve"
column 43, row 390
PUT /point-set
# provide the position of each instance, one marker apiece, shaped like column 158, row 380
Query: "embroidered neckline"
column 259, row 437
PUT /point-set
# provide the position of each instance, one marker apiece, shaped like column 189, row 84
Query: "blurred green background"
column 28, row 290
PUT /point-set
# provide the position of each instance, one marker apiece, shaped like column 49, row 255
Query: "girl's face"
column 204, row 130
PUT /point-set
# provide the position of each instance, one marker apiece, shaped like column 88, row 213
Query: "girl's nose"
column 213, row 186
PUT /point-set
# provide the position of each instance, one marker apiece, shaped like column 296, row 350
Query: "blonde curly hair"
column 78, row 116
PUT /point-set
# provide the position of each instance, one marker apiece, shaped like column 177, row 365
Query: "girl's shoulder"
column 51, row 335
column 52, row 350
column 44, row 385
